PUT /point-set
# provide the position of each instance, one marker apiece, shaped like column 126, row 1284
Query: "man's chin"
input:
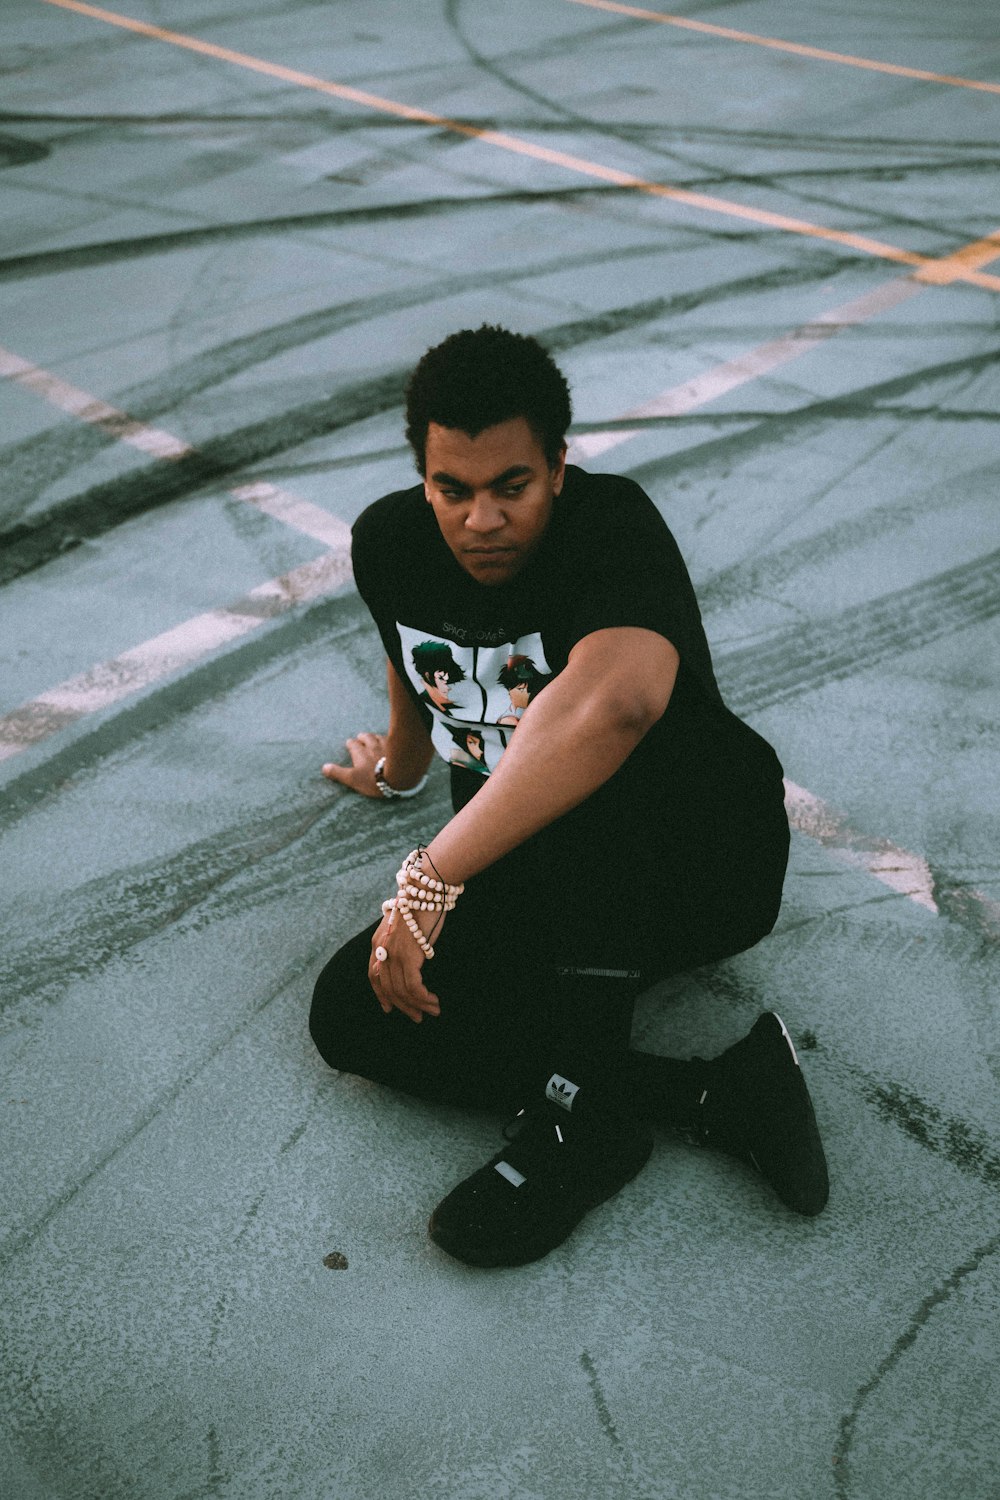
column 492, row 567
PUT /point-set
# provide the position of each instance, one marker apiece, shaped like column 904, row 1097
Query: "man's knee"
column 341, row 992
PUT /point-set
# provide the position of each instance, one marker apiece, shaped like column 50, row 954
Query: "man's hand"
column 397, row 979
column 365, row 750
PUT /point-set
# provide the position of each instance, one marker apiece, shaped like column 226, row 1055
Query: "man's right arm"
column 406, row 746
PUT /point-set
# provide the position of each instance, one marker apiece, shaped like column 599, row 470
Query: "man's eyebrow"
column 516, row 471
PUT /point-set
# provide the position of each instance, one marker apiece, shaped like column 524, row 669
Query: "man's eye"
column 510, row 490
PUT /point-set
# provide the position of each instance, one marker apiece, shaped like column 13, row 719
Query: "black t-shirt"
column 473, row 656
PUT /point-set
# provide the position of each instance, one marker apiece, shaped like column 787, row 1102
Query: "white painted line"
column 903, row 872
column 88, row 408
column 908, row 874
column 310, row 519
column 677, row 400
column 163, row 656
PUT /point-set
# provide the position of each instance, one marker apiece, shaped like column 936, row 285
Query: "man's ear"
column 559, row 471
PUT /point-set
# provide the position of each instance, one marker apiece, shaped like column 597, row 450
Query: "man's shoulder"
column 611, row 505
column 385, row 539
column 398, row 508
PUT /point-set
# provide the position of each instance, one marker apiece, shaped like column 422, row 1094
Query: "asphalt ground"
column 763, row 246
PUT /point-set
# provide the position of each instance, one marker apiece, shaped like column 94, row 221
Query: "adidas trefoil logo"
column 561, row 1091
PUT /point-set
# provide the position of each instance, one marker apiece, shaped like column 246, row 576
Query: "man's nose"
column 484, row 515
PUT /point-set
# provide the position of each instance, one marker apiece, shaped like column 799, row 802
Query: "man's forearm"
column 558, row 756
column 408, row 750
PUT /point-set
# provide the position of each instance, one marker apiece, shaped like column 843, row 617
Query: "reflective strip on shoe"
column 511, row 1173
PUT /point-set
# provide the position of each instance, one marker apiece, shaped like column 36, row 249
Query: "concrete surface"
column 246, row 265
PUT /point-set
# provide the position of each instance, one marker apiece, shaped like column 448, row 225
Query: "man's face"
column 492, row 495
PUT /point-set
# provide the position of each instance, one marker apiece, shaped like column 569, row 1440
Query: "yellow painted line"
column 506, row 142
column 820, row 53
column 702, row 389
column 969, row 258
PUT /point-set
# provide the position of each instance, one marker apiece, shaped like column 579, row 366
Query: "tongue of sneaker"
column 560, row 1091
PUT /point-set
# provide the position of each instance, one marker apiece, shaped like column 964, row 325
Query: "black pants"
column 539, row 965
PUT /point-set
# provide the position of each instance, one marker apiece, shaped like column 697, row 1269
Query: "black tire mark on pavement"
column 31, row 544
column 110, row 915
column 603, row 1412
column 805, row 656
column 110, row 252
column 15, row 152
column 778, row 430
column 762, row 574
column 945, row 1135
column 941, row 1294
column 35, row 462
column 636, row 130
column 106, row 917
column 699, row 416
column 338, row 621
column 155, row 897
column 702, row 176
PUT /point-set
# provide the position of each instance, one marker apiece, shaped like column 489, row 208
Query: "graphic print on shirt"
column 522, row 679
column 476, row 694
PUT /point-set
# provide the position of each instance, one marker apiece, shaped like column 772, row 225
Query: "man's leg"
column 752, row 1101
column 615, row 917
column 474, row 1054
column 537, row 971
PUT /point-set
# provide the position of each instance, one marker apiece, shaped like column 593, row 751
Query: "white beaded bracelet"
column 410, row 870
column 424, row 894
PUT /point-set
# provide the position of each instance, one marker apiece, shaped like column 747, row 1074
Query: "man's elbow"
column 633, row 713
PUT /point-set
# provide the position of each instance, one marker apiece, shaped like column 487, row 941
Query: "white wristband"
column 388, row 792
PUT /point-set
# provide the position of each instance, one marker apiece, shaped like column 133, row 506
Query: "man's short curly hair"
column 481, row 376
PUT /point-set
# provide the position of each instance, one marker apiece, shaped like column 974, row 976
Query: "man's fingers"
column 333, row 772
column 404, row 990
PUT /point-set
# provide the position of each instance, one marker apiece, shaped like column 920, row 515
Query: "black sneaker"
column 528, row 1198
column 756, row 1106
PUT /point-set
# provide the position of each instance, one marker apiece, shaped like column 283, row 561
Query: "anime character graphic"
column 470, row 749
column 523, row 681
column 436, row 666
column 476, row 693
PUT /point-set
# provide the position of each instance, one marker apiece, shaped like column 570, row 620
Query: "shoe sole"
column 787, row 1035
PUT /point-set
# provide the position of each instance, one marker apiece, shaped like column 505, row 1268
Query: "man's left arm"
column 574, row 736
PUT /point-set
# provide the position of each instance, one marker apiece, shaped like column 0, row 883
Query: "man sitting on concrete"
column 618, row 825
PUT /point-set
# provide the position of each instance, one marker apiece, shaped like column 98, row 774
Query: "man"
column 629, row 826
